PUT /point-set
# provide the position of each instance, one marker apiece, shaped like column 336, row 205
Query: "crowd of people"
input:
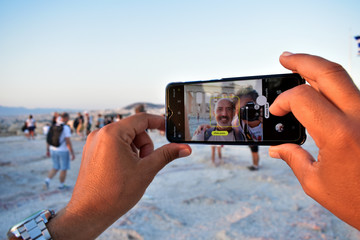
column 60, row 150
column 59, row 146
column 81, row 126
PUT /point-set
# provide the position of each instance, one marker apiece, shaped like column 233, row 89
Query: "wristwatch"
column 32, row 227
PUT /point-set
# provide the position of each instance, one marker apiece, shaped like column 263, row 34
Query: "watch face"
column 32, row 216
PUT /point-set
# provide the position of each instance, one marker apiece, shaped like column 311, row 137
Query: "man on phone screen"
column 224, row 111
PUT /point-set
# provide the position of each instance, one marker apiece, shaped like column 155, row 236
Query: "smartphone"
column 231, row 111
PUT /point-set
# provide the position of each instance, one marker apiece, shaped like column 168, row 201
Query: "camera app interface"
column 226, row 111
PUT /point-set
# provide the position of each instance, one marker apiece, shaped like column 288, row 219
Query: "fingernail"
column 184, row 153
column 274, row 154
column 286, row 54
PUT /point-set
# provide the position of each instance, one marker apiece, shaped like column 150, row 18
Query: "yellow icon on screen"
column 219, row 133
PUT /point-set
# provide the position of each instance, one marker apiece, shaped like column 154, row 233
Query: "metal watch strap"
column 35, row 228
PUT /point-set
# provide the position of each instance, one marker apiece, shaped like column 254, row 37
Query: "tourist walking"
column 59, row 147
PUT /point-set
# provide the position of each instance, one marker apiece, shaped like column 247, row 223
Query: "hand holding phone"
column 329, row 108
column 231, row 111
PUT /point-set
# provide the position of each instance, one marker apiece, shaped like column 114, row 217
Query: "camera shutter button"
column 261, row 100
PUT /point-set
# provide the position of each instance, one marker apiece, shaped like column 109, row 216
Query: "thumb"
column 159, row 158
column 299, row 160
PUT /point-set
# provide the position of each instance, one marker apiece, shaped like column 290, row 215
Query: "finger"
column 311, row 109
column 329, row 78
column 144, row 143
column 130, row 127
column 159, row 158
column 299, row 160
column 134, row 149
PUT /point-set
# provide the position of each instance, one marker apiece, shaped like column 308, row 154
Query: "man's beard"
column 224, row 121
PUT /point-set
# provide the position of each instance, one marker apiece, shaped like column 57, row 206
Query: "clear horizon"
column 104, row 55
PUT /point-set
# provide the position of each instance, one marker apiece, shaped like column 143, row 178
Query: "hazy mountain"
column 10, row 111
column 147, row 105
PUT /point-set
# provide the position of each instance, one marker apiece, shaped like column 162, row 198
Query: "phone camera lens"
column 279, row 127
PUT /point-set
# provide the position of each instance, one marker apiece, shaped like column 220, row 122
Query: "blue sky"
column 108, row 54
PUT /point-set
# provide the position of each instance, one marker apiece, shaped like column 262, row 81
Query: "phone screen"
column 231, row 111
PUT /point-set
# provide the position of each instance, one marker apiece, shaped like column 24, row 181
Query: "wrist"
column 71, row 223
column 65, row 226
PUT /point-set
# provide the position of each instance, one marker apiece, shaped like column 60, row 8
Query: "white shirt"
column 30, row 122
column 66, row 133
column 257, row 132
column 46, row 129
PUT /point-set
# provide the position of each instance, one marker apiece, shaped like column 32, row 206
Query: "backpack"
column 53, row 136
column 76, row 123
column 24, row 127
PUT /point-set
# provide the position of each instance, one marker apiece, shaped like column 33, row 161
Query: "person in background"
column 219, row 148
column 255, row 158
column 88, row 123
column 80, row 125
column 31, row 125
column 108, row 120
column 118, row 117
column 252, row 128
column 60, row 155
column 100, row 121
column 56, row 117
column 46, row 128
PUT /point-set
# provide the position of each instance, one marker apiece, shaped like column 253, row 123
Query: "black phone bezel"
column 175, row 114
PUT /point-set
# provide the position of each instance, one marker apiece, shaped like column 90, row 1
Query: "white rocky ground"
column 189, row 198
